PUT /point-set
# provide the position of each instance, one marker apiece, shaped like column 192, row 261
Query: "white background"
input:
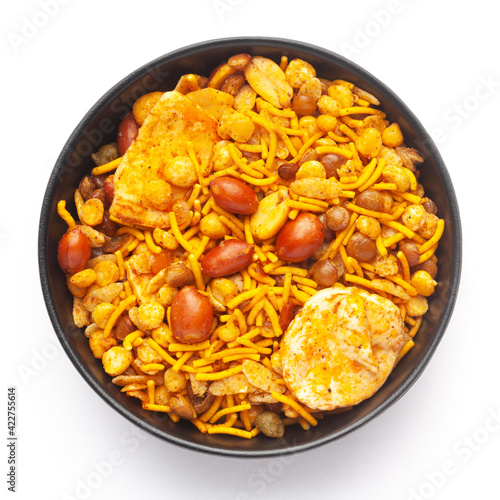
column 442, row 439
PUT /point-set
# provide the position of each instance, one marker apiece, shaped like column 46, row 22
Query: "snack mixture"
column 254, row 251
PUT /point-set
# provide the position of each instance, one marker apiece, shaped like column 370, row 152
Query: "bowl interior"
column 99, row 127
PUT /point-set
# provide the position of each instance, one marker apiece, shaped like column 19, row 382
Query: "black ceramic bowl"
column 99, row 126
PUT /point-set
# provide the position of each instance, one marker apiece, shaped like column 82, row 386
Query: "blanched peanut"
column 212, row 226
column 368, row 226
column 222, row 290
column 342, row 94
column 116, row 360
column 175, row 381
column 239, row 61
column 102, row 313
column 417, row 306
column 228, row 332
column 423, row 282
column 311, row 169
column 180, row 171
column 271, row 215
column 236, row 126
column 369, row 142
column 100, row 343
column 165, row 239
column 219, row 75
column 328, row 106
column 414, row 217
column 162, row 335
column 392, row 136
column 165, row 295
column 97, row 294
column 245, row 98
column 269, row 81
column 83, row 279
column 151, row 315
column 144, row 105
column 147, row 354
column 159, row 193
column 106, row 272
column 299, row 72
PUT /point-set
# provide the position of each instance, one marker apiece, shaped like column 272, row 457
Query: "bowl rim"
column 222, row 43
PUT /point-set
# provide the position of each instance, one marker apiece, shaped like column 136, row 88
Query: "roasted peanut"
column 300, row 238
column 191, row 316
column 127, row 133
column 234, row 195
column 229, row 257
column 73, row 251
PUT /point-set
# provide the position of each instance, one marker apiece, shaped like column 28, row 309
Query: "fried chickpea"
column 162, row 335
column 368, row 226
column 92, row 212
column 147, row 354
column 414, row 217
column 100, row 343
column 83, row 279
column 212, row 227
column 151, row 315
column 101, row 313
column 174, row 381
column 311, row 169
column 159, row 194
column 342, row 94
column 116, row 360
column 309, row 124
column 326, row 123
column 222, row 157
column 369, row 142
column 392, row 136
column 180, row 171
column 328, row 106
column 429, row 226
column 396, row 175
column 228, row 332
column 299, row 72
column 422, row 281
column 106, row 272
